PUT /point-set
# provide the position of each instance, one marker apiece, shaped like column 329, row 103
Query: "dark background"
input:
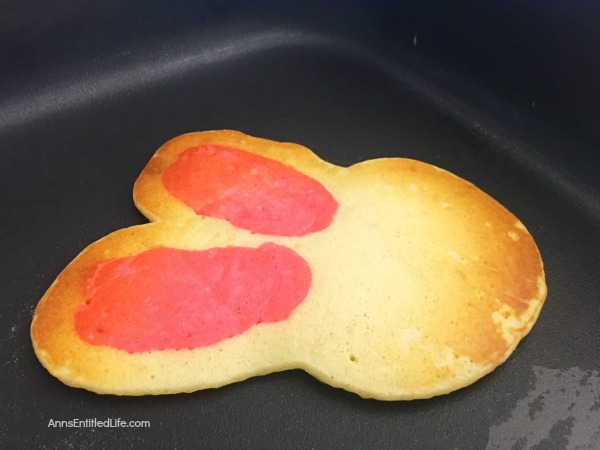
column 505, row 94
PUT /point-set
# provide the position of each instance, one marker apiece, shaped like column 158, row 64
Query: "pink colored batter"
column 249, row 191
column 167, row 298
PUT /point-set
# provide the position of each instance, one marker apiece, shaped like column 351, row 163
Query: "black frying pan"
column 504, row 95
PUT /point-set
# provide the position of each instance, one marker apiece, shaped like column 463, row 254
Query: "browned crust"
column 422, row 285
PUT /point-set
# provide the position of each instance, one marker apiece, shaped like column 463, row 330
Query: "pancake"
column 392, row 278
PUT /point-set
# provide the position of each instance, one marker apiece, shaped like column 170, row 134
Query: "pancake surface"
column 421, row 284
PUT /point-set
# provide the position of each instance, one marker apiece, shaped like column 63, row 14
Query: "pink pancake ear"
column 166, row 298
column 249, row 191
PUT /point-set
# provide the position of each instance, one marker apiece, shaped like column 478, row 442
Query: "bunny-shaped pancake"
column 392, row 278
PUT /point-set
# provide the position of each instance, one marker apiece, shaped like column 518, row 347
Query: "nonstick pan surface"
column 80, row 121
